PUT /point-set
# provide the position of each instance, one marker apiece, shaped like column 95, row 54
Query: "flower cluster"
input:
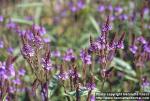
column 76, row 6
column 140, row 48
column 104, row 48
column 86, row 58
column 69, row 55
column 10, row 79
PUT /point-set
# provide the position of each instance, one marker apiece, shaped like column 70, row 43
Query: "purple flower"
column 1, row 44
column 118, row 9
column 69, row 56
column 96, row 46
column 21, row 72
column 92, row 98
column 73, row 8
column 123, row 17
column 86, row 58
column 11, row 70
column 11, row 89
column 147, row 48
column 42, row 30
column 46, row 64
column 39, row 29
column 107, row 27
column 101, row 8
column 90, row 86
column 73, row 73
column 1, row 18
column 146, row 11
column 11, row 25
column 47, row 40
column 141, row 39
column 38, row 41
column 10, row 50
column 3, row 71
column 133, row 49
column 80, row 4
column 27, row 51
column 112, row 18
column 29, row 34
column 63, row 76
column 110, row 8
column 55, row 53
column 16, row 81
column 120, row 43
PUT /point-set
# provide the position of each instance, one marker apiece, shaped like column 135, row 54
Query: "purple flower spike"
column 69, row 56
column 86, row 59
column 73, row 73
column 1, row 18
column 46, row 64
column 56, row 53
column 39, row 29
column 107, row 27
column 27, row 51
column 133, row 49
column 38, row 42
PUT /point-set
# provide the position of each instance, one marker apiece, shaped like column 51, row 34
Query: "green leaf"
column 21, row 21
column 94, row 23
column 123, row 66
column 37, row 15
column 53, row 85
column 34, row 4
column 131, row 78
